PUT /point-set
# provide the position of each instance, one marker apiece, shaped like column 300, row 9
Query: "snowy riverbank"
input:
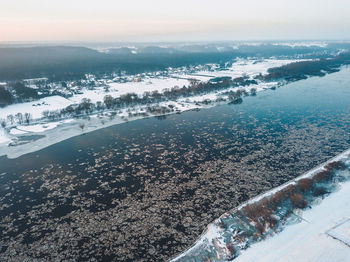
column 318, row 233
column 322, row 236
column 19, row 139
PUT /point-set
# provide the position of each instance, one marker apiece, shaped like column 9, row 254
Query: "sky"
column 180, row 20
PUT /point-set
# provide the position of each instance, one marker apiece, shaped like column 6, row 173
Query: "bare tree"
column 46, row 113
column 82, row 126
column 19, row 118
column 11, row 118
column 3, row 123
column 27, row 117
column 253, row 92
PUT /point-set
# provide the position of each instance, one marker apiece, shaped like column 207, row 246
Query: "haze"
column 181, row 20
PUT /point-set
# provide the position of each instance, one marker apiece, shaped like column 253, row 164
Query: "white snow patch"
column 38, row 128
column 3, row 137
column 36, row 108
column 242, row 67
column 117, row 89
column 341, row 232
column 15, row 131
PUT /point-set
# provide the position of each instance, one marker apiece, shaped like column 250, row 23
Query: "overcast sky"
column 176, row 20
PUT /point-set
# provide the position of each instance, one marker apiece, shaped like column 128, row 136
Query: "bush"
column 298, row 201
column 305, row 184
column 320, row 191
column 323, row 176
column 336, row 165
column 261, row 214
column 281, row 196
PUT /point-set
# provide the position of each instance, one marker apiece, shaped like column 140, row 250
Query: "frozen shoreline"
column 57, row 134
column 67, row 129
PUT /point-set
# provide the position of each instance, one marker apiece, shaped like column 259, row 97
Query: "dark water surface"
column 145, row 190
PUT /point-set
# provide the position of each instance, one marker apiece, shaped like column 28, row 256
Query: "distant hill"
column 72, row 62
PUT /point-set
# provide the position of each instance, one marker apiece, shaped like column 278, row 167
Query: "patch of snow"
column 241, row 67
column 67, row 121
column 341, row 232
column 36, row 108
column 15, row 131
column 3, row 137
column 117, row 89
column 38, row 128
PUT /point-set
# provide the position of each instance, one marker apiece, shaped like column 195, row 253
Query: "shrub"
column 320, row 191
column 289, row 190
column 279, row 197
column 323, row 176
column 276, row 200
column 298, row 201
column 260, row 227
column 231, row 250
column 305, row 184
column 261, row 213
column 337, row 165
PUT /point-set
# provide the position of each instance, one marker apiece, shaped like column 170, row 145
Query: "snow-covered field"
column 36, row 108
column 117, row 89
column 247, row 67
column 318, row 234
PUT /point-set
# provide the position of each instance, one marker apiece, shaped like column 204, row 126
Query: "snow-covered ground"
column 147, row 84
column 323, row 235
column 36, row 108
column 319, row 234
column 37, row 128
column 247, row 67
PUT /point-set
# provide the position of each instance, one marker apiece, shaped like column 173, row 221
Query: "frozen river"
column 145, row 190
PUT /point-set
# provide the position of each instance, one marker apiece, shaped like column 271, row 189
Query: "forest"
column 59, row 63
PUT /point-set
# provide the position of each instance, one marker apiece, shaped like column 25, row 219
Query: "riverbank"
column 300, row 236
